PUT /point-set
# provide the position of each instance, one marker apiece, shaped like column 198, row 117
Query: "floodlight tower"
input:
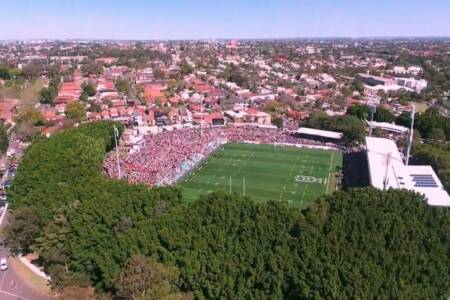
column 116, row 135
column 386, row 178
column 372, row 109
column 201, row 118
column 411, row 134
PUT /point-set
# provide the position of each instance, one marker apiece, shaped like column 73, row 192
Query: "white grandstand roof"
column 321, row 133
column 421, row 179
column 388, row 126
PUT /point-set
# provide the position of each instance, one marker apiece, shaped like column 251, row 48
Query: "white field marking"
column 14, row 295
column 227, row 185
column 305, row 179
column 294, row 166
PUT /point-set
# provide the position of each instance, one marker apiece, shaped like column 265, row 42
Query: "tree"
column 75, row 111
column 437, row 134
column 346, row 91
column 318, row 120
column 4, row 140
column 89, row 226
column 47, row 95
column 432, row 118
column 438, row 156
column 144, row 278
column 76, row 293
column 25, row 131
column 404, row 119
column 31, row 115
column 158, row 73
column 351, row 126
column 383, row 115
column 360, row 111
column 232, row 73
column 8, row 74
column 357, row 85
column 22, row 229
column 88, row 91
column 92, row 67
column 277, row 121
column 123, row 86
column 185, row 68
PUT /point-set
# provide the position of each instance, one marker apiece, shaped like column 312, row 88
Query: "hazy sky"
column 185, row 19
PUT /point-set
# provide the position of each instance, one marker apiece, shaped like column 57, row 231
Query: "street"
column 12, row 285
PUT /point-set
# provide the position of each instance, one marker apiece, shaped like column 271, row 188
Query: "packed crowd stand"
column 167, row 156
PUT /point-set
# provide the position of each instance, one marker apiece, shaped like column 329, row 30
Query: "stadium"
column 258, row 161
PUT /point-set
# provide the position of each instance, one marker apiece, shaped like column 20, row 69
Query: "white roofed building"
column 387, row 170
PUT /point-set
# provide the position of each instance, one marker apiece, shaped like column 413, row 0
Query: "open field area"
column 290, row 174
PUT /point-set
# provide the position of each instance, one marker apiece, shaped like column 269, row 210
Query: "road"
column 12, row 286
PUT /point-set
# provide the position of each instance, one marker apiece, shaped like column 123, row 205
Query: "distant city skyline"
column 220, row 19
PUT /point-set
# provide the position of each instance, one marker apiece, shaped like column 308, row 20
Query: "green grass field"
column 290, row 174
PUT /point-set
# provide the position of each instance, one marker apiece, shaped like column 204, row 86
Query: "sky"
column 208, row 19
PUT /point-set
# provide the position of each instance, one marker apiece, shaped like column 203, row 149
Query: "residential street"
column 12, row 285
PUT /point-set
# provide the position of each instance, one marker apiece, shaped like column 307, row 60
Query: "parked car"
column 3, row 264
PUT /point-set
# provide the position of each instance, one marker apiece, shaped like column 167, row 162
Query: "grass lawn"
column 290, row 174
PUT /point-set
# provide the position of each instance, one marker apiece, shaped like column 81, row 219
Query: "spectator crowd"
column 167, row 156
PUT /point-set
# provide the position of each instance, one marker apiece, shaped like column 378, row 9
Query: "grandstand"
column 319, row 135
column 387, row 170
column 389, row 127
column 276, row 165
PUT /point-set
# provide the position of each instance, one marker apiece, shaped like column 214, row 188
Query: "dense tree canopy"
column 52, row 169
column 362, row 112
column 8, row 73
column 145, row 278
column 4, row 139
column 431, row 120
column 363, row 243
column 383, row 115
column 351, row 127
column 436, row 155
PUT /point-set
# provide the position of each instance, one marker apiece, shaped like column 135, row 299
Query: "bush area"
column 436, row 155
column 133, row 242
column 351, row 126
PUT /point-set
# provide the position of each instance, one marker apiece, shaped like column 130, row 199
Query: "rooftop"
column 321, row 133
column 387, row 170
